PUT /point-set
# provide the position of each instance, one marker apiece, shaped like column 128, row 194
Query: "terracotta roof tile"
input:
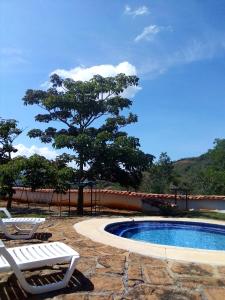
column 136, row 194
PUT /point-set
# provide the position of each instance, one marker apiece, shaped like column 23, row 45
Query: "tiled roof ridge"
column 140, row 194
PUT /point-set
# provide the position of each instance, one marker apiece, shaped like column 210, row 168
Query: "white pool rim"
column 95, row 230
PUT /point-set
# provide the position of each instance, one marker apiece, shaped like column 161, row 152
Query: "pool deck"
column 106, row 272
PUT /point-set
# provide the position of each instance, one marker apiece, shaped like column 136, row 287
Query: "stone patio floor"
column 104, row 272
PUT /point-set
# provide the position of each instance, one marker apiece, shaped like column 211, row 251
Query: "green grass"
column 27, row 215
column 181, row 214
column 199, row 214
column 31, row 215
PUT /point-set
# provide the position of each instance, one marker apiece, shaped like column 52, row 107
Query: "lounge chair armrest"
column 6, row 212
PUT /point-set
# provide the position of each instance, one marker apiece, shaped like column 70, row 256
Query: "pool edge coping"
column 94, row 229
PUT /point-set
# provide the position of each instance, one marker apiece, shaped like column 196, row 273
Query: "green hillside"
column 191, row 165
column 204, row 174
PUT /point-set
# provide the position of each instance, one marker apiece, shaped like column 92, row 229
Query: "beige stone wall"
column 105, row 198
column 116, row 199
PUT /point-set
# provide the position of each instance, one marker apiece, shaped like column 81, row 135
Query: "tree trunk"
column 9, row 203
column 80, row 201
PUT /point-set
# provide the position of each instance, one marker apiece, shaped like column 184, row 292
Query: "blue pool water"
column 172, row 233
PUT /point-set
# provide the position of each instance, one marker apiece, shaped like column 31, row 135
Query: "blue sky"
column 177, row 48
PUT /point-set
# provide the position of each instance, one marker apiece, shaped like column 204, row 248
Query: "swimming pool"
column 173, row 233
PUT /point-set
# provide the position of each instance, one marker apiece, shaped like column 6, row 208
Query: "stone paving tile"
column 99, row 297
column 214, row 293
column 175, row 294
column 104, row 272
column 221, row 282
column 134, row 275
column 141, row 259
column 197, row 282
column 73, row 296
column 111, row 264
column 147, row 292
column 107, row 250
column 221, row 270
column 86, row 266
column 157, row 276
column 192, row 269
column 106, row 283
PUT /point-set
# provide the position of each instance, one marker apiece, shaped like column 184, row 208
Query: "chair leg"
column 33, row 230
column 27, row 233
column 48, row 287
column 19, row 229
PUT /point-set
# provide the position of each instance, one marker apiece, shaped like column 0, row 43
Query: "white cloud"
column 140, row 11
column 28, row 151
column 195, row 50
column 11, row 56
column 82, row 73
column 131, row 91
column 150, row 32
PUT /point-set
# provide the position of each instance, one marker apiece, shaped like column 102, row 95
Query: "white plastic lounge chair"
column 32, row 223
column 35, row 256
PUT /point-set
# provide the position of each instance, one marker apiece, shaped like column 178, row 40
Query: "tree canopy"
column 9, row 169
column 37, row 172
column 9, row 173
column 205, row 174
column 160, row 176
column 90, row 114
column 8, row 133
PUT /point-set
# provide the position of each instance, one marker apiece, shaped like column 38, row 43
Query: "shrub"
column 166, row 208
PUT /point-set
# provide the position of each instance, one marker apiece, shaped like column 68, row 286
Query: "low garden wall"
column 117, row 199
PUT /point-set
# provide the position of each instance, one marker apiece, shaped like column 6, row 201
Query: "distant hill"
column 188, row 169
column 203, row 175
column 186, row 165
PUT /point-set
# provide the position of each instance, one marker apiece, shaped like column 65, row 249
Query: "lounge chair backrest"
column 5, row 253
column 49, row 255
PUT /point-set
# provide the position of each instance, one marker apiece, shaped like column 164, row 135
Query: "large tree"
column 64, row 175
column 9, row 168
column 38, row 172
column 8, row 133
column 102, row 150
column 162, row 174
column 10, row 173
